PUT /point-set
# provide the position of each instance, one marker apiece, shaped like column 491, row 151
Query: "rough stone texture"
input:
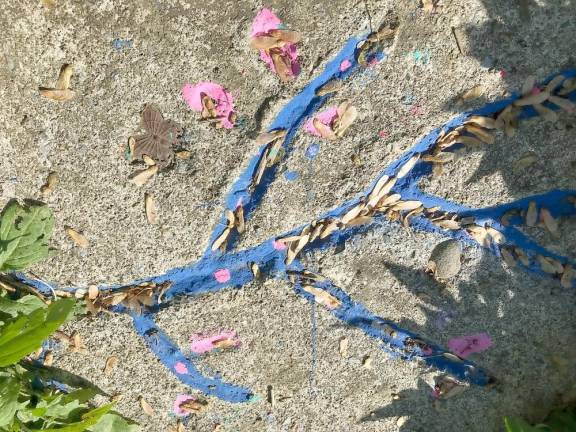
column 173, row 42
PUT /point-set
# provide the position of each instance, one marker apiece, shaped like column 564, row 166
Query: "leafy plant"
column 559, row 420
column 29, row 400
column 24, row 233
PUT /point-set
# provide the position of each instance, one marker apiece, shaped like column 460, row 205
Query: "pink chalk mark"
column 180, row 368
column 180, row 399
column 203, row 343
column 383, row 134
column 345, row 65
column 222, row 275
column 326, row 117
column 238, row 203
column 223, row 99
column 503, row 74
column 264, row 22
column 279, row 246
column 466, row 345
column 373, row 61
column 417, row 110
column 536, row 90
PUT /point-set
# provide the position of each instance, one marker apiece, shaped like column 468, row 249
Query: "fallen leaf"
column 183, row 154
column 472, row 93
column 151, row 210
column 57, row 95
column 63, row 82
column 80, row 240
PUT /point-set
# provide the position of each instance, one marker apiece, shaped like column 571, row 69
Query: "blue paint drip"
column 120, row 44
column 291, row 176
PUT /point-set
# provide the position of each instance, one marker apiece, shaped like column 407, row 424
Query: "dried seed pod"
column 261, row 168
column 255, row 270
column 524, row 162
column 221, row 239
column 80, row 240
column 546, row 113
column 496, row 235
column 329, row 87
column 93, row 292
column 268, row 137
column 554, row 82
column 329, row 228
column 343, row 347
column 140, row 178
column 324, row 130
column 448, row 224
column 150, row 209
column 346, row 119
column 323, row 297
column 57, row 95
column 360, row 220
column 285, row 35
column 479, row 234
column 193, row 406
column 352, row 213
column 281, row 65
column 481, row 133
column 568, row 277
column 390, row 200
column 485, row 122
column 508, row 257
column 51, row 183
column 532, row 214
column 563, row 103
column 146, row 407
column 110, row 363
column 264, row 42
column 183, row 154
column 406, row 205
column 240, row 223
column 230, row 218
column 63, row 82
column 533, row 99
column 148, row 160
column 549, row 265
column 452, row 357
column 549, row 222
column 522, row 257
column 407, row 167
column 472, row 93
column 441, row 158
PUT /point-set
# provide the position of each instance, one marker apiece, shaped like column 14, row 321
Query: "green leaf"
column 114, row 422
column 562, row 420
column 517, row 424
column 24, row 305
column 24, row 234
column 88, row 419
column 23, row 335
column 9, row 389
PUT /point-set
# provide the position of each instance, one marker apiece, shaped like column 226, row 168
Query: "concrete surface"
column 173, row 42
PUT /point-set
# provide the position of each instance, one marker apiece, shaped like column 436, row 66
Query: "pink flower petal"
column 224, row 100
column 279, row 246
column 326, row 117
column 202, row 343
column 180, row 368
column 222, row 275
column 345, row 65
column 180, row 399
column 466, row 345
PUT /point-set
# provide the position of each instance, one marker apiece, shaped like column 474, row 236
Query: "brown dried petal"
column 57, row 95
column 407, row 167
column 50, row 185
column 346, row 119
column 290, row 36
column 532, row 99
column 140, row 178
column 265, row 42
column 221, row 239
column 110, row 363
column 324, row 130
column 323, row 297
column 472, row 93
column 146, row 407
column 281, row 65
column 151, row 210
column 267, row 137
column 329, row 87
column 546, row 113
column 532, row 214
column 63, row 82
column 549, row 222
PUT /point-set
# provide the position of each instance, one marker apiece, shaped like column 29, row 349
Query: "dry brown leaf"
column 549, row 265
column 148, row 160
column 568, row 277
column 221, row 240
column 79, row 239
column 496, row 235
column 267, row 137
column 140, row 178
column 110, row 363
column 51, row 183
column 352, row 213
column 57, row 95
column 240, row 223
column 151, row 210
column 406, row 205
column 290, row 36
column 532, row 99
column 481, row 133
column 146, row 407
column 563, row 103
column 264, row 42
column 546, row 113
column 485, row 122
column 343, row 347
column 281, row 65
column 193, row 406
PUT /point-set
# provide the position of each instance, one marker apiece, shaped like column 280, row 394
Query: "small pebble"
column 445, row 259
